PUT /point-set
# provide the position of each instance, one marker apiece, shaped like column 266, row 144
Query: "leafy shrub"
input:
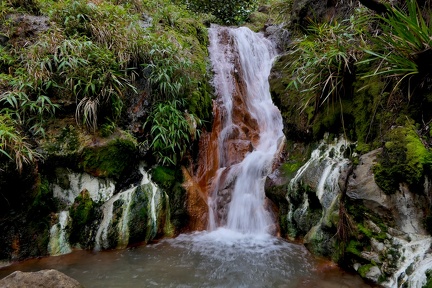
column 403, row 51
column 228, row 12
column 171, row 131
column 13, row 144
column 89, row 72
column 28, row 103
column 322, row 64
column 167, row 74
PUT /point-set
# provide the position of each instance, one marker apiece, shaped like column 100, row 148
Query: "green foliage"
column 227, row 12
column 171, row 131
column 6, row 59
column 404, row 160
column 322, row 63
column 403, row 49
column 81, row 69
column 167, row 72
column 13, row 145
column 111, row 160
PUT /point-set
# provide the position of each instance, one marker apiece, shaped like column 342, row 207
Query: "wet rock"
column 279, row 35
column 373, row 274
column 42, row 279
column 404, row 207
column 362, row 186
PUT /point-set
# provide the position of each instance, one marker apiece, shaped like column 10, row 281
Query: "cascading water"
column 251, row 125
column 239, row 251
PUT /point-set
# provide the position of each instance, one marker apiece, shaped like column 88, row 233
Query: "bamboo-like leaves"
column 405, row 36
column 13, row 145
column 321, row 61
column 171, row 132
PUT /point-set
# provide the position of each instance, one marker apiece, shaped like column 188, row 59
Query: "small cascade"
column 249, row 131
column 121, row 211
column 137, row 214
column 414, row 258
column 321, row 173
column 70, row 184
column 117, row 208
column 58, row 243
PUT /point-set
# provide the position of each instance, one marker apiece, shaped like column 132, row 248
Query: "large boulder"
column 40, row 279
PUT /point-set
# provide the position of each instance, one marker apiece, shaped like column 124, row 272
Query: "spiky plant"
column 171, row 131
column 403, row 51
column 13, row 144
column 321, row 62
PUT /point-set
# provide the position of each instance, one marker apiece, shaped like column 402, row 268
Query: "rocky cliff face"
column 340, row 212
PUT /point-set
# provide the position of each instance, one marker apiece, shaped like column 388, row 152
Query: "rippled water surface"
column 221, row 258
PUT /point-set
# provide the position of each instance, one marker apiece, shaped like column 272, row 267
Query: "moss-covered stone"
column 111, row 160
column 368, row 104
column 139, row 214
column 170, row 180
column 83, row 213
column 363, row 270
column 404, row 160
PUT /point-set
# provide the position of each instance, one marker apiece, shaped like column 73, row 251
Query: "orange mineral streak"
column 237, row 144
column 197, row 185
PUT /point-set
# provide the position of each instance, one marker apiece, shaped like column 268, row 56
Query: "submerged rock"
column 42, row 279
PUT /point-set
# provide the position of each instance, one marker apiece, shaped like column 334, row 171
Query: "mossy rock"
column 111, row 160
column 170, row 180
column 43, row 201
column 139, row 215
column 83, row 213
column 289, row 101
column 368, row 104
column 404, row 160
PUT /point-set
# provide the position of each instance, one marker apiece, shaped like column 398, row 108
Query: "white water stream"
column 242, row 253
column 246, row 211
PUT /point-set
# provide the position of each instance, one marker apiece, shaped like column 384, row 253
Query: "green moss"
column 43, row 202
column 354, row 247
column 363, row 270
column 111, row 160
column 138, row 216
column 369, row 96
column 83, row 213
column 170, row 180
column 289, row 100
column 291, row 167
column 371, row 234
column 165, row 177
column 404, row 160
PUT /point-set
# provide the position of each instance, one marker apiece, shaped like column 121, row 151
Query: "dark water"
column 218, row 259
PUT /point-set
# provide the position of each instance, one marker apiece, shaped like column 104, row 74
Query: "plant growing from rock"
column 227, row 12
column 171, row 131
column 322, row 64
column 13, row 144
column 403, row 51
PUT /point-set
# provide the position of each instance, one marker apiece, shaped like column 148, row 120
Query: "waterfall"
column 251, row 129
column 58, row 243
